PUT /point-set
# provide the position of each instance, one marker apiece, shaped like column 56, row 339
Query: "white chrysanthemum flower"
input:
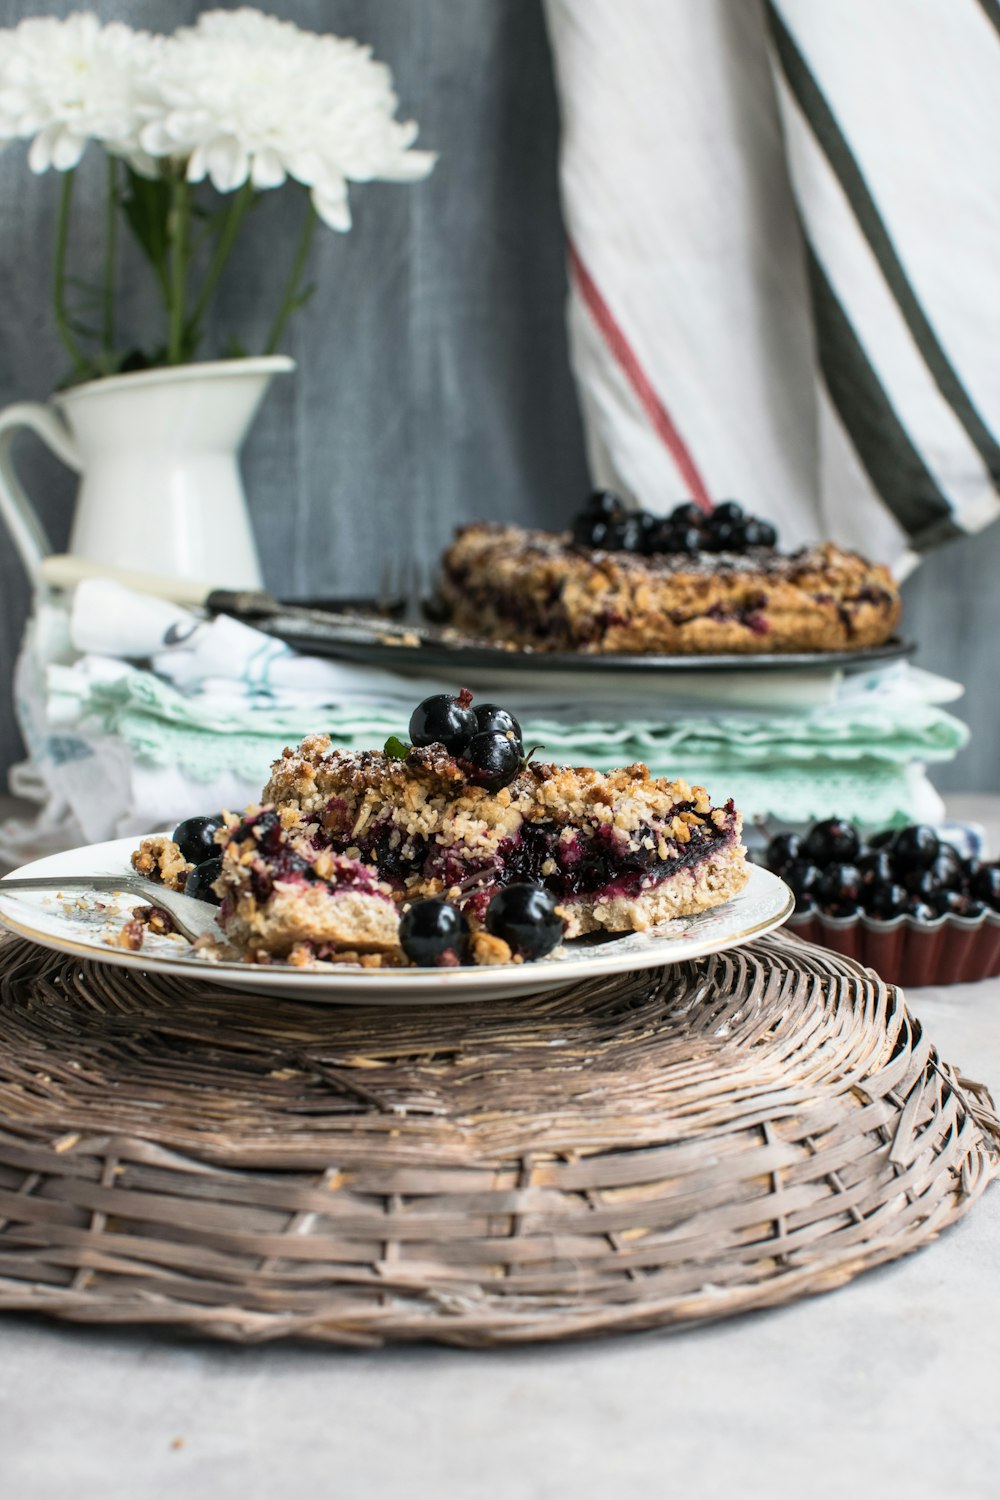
column 244, row 97
column 66, row 82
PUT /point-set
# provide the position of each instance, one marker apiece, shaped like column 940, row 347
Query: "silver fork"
column 192, row 918
column 403, row 579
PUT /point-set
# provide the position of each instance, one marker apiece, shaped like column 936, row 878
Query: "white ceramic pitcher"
column 160, row 487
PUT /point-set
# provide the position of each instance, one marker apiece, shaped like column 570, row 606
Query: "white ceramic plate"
column 80, row 923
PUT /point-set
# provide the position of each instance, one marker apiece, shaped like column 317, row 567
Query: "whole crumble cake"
column 343, row 839
column 549, row 592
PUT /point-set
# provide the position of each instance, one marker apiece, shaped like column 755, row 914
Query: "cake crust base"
column 683, row 894
column 314, row 915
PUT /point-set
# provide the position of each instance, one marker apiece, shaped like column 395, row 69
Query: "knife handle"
column 245, row 604
column 64, row 571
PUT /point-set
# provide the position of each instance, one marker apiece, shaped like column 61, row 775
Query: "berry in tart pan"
column 904, row 903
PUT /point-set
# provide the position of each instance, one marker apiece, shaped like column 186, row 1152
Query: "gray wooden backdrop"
column 433, row 384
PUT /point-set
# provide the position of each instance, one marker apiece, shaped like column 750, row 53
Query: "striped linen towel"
column 784, row 253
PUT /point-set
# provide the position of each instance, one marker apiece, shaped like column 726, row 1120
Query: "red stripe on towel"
column 662, row 422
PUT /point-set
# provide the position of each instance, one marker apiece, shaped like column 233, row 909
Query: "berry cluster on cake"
column 628, row 582
column 455, row 847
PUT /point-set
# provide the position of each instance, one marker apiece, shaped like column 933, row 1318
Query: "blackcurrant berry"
column 728, row 510
column 195, row 838
column 839, row 885
column 949, row 903
column 444, row 720
column 647, row 526
column 201, row 879
column 525, row 917
column 802, row 878
column 721, row 536
column 947, row 868
column 759, row 533
column 884, row 899
column 669, row 536
column 492, row 716
column 688, row 514
column 782, row 849
column 833, row 839
column 738, row 540
column 589, row 531
column 985, row 886
column 605, row 505
column 923, row 884
column 876, row 867
column 687, row 540
column 434, row 934
column 915, row 846
column 625, row 535
column 495, row 759
column 657, row 538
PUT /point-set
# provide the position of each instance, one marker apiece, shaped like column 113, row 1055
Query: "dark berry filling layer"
column 603, row 863
column 568, row 863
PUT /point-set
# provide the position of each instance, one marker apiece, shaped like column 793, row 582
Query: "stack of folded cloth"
column 137, row 713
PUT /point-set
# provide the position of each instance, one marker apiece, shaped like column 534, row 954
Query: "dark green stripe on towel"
column 831, row 138
column 880, row 440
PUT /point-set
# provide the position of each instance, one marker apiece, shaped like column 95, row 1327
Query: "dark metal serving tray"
column 428, row 654
column 379, row 638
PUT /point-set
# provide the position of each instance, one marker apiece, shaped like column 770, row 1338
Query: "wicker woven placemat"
column 642, row 1151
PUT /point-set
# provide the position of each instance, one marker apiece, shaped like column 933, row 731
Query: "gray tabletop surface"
column 888, row 1387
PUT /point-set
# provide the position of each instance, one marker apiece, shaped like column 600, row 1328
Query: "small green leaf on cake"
column 396, row 748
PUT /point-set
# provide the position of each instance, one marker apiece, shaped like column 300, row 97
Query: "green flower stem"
column 76, row 354
column 110, row 260
column 224, row 244
column 178, row 232
column 293, row 296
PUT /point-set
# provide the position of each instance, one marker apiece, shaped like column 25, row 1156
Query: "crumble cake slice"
column 541, row 590
column 621, row 850
column 282, row 897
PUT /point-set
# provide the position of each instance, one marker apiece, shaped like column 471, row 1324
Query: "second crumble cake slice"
column 284, row 898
